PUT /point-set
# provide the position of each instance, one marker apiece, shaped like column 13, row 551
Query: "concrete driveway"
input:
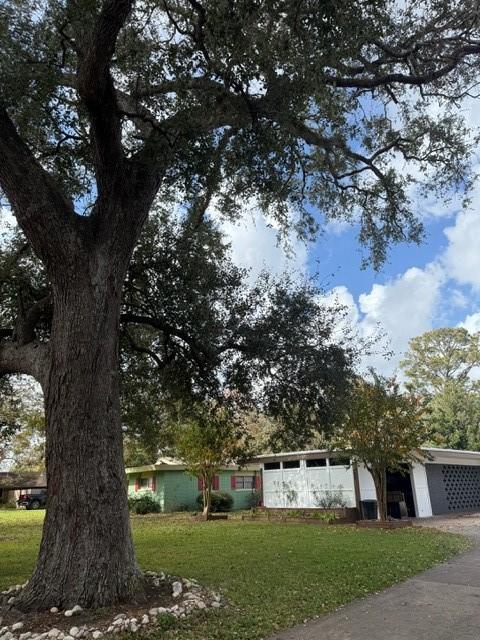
column 442, row 603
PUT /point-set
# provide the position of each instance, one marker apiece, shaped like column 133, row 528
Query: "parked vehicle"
column 32, row 500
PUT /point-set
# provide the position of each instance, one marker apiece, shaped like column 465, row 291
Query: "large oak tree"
column 107, row 106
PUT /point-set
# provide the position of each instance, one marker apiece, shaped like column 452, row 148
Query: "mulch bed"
column 390, row 524
column 286, row 519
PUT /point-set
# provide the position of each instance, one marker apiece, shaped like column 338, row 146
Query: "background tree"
column 383, row 429
column 27, row 447
column 120, row 104
column 9, row 419
column 439, row 366
column 438, row 358
column 454, row 417
column 208, row 439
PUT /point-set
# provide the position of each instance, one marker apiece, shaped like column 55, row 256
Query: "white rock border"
column 190, row 595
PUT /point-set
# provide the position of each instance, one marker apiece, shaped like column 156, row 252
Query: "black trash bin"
column 369, row 509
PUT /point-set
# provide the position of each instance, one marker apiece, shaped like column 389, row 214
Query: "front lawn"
column 274, row 575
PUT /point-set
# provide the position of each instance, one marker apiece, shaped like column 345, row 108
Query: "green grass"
column 274, row 575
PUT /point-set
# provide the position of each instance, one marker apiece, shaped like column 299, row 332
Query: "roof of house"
column 166, row 463
column 312, row 453
column 18, row 480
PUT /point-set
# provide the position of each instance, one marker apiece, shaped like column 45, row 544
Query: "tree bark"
column 86, row 554
column 207, row 496
column 380, row 482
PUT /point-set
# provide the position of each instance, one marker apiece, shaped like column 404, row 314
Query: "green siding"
column 178, row 490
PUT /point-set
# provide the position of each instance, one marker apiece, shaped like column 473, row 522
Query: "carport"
column 14, row 483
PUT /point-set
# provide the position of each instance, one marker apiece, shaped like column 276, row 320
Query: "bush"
column 221, row 501
column 143, row 503
column 329, row 499
column 255, row 499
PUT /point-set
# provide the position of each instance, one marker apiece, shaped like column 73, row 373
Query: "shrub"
column 255, row 499
column 328, row 516
column 143, row 503
column 221, row 501
column 329, row 499
column 295, row 513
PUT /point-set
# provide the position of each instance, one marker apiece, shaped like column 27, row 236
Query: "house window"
column 145, row 482
column 271, row 466
column 291, row 464
column 244, row 482
column 313, row 463
column 339, row 462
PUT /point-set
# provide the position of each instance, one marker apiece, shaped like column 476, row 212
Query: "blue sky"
column 420, row 287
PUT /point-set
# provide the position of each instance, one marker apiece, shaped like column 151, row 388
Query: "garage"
column 453, row 487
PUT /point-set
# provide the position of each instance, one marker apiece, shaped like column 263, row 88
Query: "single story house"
column 12, row 484
column 177, row 490
column 447, row 481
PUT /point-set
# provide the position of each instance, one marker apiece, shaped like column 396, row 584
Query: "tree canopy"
column 297, row 105
column 440, row 365
column 208, row 439
column 454, row 417
column 194, row 328
column 440, row 357
column 383, row 429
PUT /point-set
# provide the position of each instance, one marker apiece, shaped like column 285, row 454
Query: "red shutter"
column 233, row 482
column 137, row 483
column 200, row 483
column 154, row 483
column 258, row 482
column 216, row 483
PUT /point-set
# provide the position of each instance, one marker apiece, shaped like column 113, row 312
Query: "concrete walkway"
column 442, row 603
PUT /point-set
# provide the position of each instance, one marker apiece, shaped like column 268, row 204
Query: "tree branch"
column 30, row 359
column 96, row 88
column 162, row 325
column 361, row 79
column 27, row 322
column 42, row 210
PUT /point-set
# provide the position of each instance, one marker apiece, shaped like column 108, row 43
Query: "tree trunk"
column 86, row 554
column 207, row 497
column 380, row 481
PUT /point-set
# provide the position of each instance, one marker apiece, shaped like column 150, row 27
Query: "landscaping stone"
column 189, row 595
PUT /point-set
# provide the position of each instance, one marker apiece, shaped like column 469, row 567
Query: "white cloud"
column 462, row 256
column 256, row 246
column 403, row 308
column 394, row 312
column 471, row 323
